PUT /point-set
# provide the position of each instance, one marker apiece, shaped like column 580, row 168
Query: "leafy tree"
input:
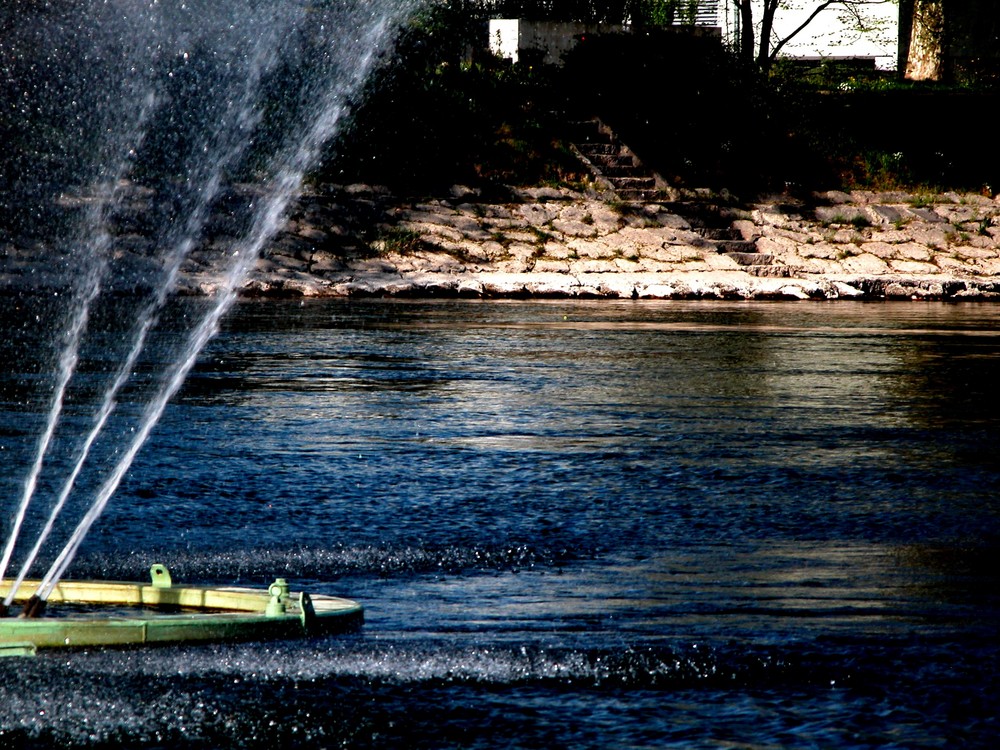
column 758, row 44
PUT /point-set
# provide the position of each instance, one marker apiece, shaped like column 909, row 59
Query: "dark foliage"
column 689, row 108
column 446, row 112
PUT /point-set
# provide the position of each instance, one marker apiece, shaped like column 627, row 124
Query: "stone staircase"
column 728, row 228
column 615, row 168
column 619, row 172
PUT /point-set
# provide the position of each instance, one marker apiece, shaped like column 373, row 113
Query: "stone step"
column 634, row 183
column 740, row 247
column 614, row 161
column 624, row 172
column 720, row 233
column 639, row 195
column 592, row 150
column 751, row 259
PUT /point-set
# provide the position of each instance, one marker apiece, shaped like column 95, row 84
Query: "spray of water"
column 332, row 49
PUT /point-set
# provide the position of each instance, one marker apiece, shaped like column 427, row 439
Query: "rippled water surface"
column 588, row 524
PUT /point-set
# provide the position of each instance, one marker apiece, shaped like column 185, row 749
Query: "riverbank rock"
column 555, row 242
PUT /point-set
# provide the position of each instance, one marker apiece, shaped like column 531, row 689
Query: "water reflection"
column 682, row 524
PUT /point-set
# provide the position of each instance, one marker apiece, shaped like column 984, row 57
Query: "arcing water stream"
column 201, row 94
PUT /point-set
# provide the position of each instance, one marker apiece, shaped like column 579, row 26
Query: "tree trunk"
column 746, row 30
column 766, row 26
column 925, row 59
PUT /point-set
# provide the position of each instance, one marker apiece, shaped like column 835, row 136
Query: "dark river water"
column 571, row 524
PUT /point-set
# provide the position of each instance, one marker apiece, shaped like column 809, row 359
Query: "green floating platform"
column 165, row 613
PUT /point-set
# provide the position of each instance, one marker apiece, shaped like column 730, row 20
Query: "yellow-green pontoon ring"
column 166, row 613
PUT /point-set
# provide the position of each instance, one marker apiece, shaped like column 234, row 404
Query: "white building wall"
column 509, row 37
column 503, row 38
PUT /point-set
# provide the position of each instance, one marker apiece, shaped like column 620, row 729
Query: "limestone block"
column 798, row 236
column 469, row 252
column 427, row 215
column 865, row 263
column 619, row 245
column 972, row 251
column 624, row 265
column 719, row 262
column 312, row 233
column 771, row 216
column 501, row 284
column 469, row 287
column 879, row 249
column 795, row 291
column 514, row 265
column 779, row 245
column 265, row 265
column 327, row 266
column 747, row 229
column 692, row 265
column 845, row 236
column 538, row 214
column 658, row 291
column 913, row 251
column 648, row 265
column 843, row 289
column 956, row 266
column 501, row 223
column 547, row 265
column 471, row 228
column 599, row 214
column 931, row 236
column 593, row 266
column 988, row 266
column 544, row 194
column 589, row 248
column 286, row 263
column 960, row 214
column 574, row 228
column 555, row 250
column 550, row 284
column 922, row 214
column 438, row 263
column 430, row 229
column 578, row 211
column 670, row 220
column 842, row 214
column 492, row 250
column 892, row 236
column 618, row 285
column 807, row 265
column 523, row 250
column 819, row 250
column 975, row 239
column 881, row 214
column 913, row 267
column 977, row 200
column 672, row 253
column 649, row 235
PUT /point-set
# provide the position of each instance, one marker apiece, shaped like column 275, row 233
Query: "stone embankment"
column 547, row 242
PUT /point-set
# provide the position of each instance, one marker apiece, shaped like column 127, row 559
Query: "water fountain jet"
column 185, row 101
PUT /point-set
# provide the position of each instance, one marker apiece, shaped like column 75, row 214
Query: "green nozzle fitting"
column 279, row 597
column 160, row 576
